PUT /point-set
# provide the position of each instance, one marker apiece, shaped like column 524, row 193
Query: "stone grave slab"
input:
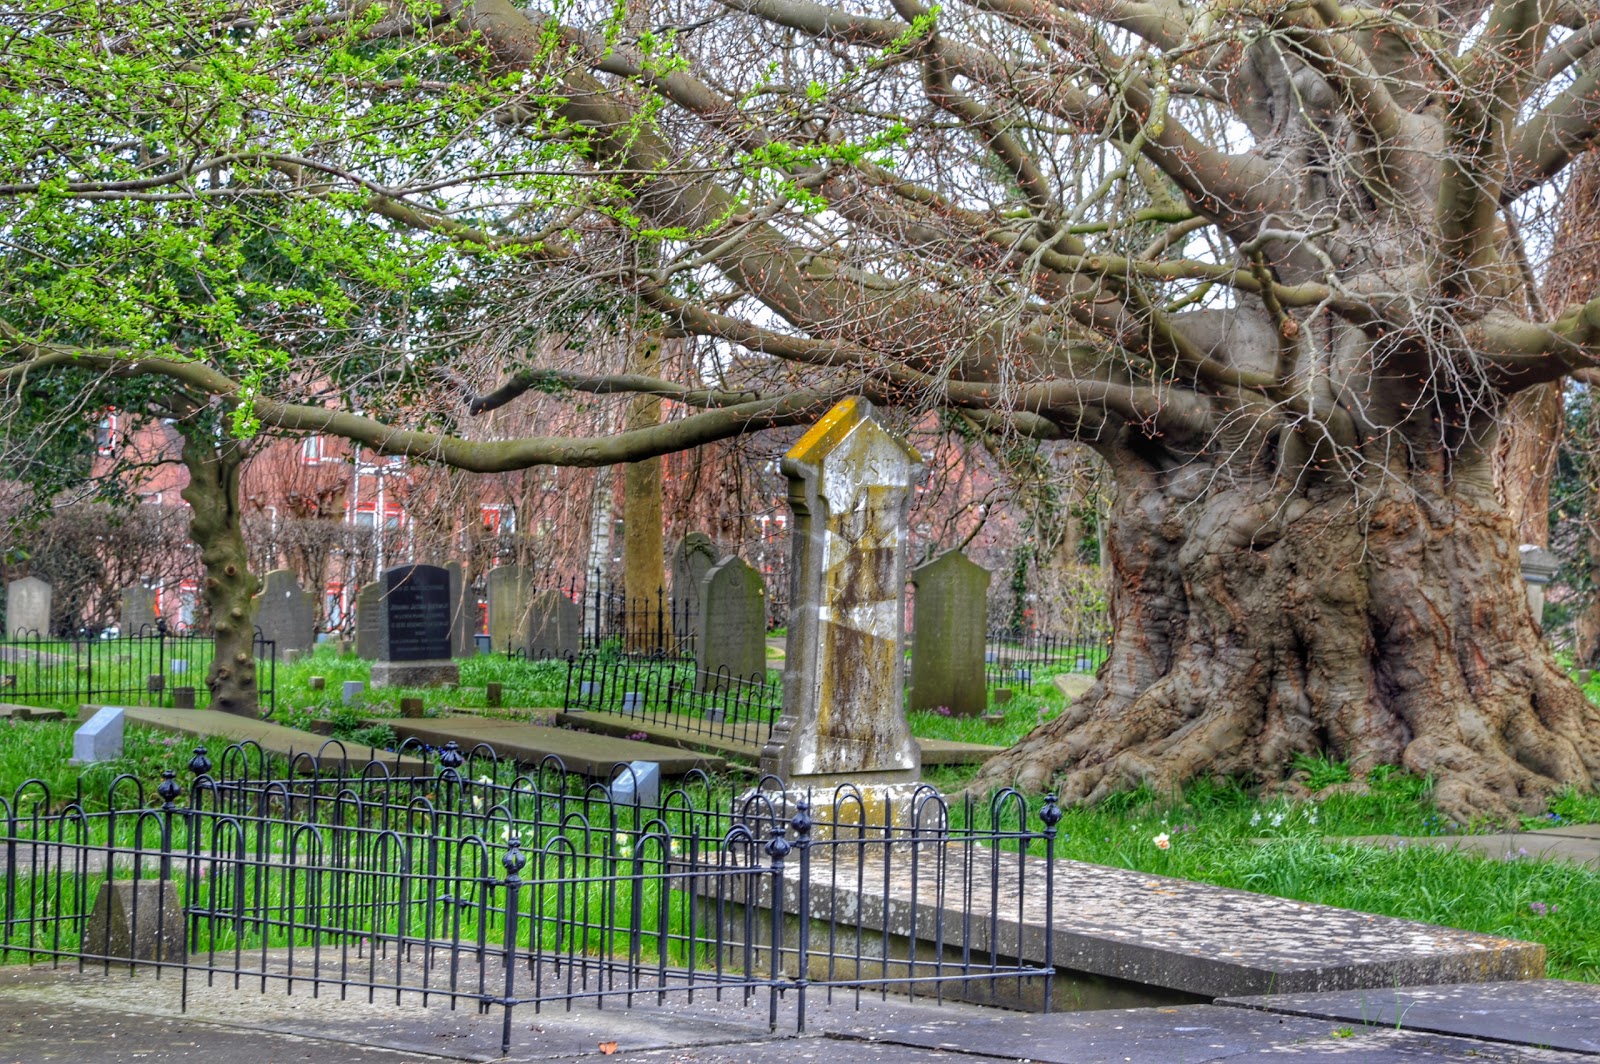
column 138, row 610
column 14, row 711
column 414, row 629
column 100, row 737
column 595, row 756
column 555, row 626
column 1540, row 1012
column 369, row 618
column 948, row 635
column 28, row 607
column 1172, row 934
column 733, row 624
column 276, row 739
column 509, row 587
column 285, row 613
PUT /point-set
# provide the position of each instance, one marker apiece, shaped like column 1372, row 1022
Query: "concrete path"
column 1579, row 843
column 49, row 1017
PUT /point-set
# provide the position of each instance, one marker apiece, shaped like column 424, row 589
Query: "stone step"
column 745, row 740
column 528, row 744
column 332, row 754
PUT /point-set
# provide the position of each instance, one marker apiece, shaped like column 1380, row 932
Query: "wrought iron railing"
column 509, row 889
column 675, row 693
column 1012, row 659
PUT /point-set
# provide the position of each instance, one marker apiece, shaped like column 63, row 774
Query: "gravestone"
column 948, row 635
column 285, row 613
column 508, row 606
column 462, row 615
column 100, row 738
column 28, row 606
column 733, row 624
column 637, row 782
column 692, row 558
column 369, row 617
column 555, row 626
column 414, row 629
column 844, row 720
column 137, row 920
column 350, row 692
column 138, row 609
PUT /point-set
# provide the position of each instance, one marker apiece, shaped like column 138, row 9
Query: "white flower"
column 1255, row 818
column 1277, row 819
column 1161, row 841
column 485, row 779
column 477, row 802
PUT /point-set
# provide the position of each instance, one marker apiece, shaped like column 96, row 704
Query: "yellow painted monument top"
column 835, row 425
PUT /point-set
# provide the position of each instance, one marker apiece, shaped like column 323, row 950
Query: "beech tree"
column 1273, row 261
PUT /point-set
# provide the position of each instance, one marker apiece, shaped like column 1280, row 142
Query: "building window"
column 105, row 434
column 311, row 452
column 499, row 519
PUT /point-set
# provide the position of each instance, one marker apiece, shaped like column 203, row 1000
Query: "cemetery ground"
column 1223, row 833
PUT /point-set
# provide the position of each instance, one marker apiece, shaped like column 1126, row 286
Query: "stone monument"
column 369, row 616
column 463, row 614
column 948, row 633
column 555, row 626
column 99, row 738
column 28, row 606
column 138, row 609
column 850, row 486
column 733, row 624
column 692, row 558
column 1539, row 568
column 508, row 587
column 414, row 629
column 285, row 613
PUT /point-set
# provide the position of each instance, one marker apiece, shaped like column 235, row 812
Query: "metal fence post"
column 1049, row 816
column 513, row 861
column 777, row 848
column 802, row 842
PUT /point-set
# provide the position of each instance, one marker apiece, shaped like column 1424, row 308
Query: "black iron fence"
column 1011, row 659
column 503, row 890
column 155, row 666
column 675, row 693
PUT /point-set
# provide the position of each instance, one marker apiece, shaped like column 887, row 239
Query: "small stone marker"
column 28, row 606
column 491, row 695
column 949, row 629
column 733, row 624
column 136, row 920
column 285, row 613
column 138, row 610
column 508, row 587
column 844, row 720
column 177, row 666
column 555, row 626
column 637, row 783
column 155, row 683
column 463, row 614
column 632, row 702
column 351, row 694
column 1002, row 695
column 414, row 629
column 100, row 738
column 183, row 697
column 369, row 618
column 411, row 708
column 317, row 683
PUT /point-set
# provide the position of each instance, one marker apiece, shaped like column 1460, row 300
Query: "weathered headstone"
column 463, row 614
column 28, row 606
column 100, row 738
column 369, row 620
column 555, row 626
column 692, row 558
column 508, row 606
column 285, row 613
column 137, row 920
column 414, row 629
column 733, row 624
column 350, row 692
column 637, row 782
column 183, row 697
column 948, row 633
column 1539, row 568
column 138, row 609
column 850, row 486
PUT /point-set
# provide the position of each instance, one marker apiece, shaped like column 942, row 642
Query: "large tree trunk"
column 1254, row 623
column 214, row 463
column 643, row 548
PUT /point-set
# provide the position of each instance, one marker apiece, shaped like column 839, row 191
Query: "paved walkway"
column 49, row 1017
